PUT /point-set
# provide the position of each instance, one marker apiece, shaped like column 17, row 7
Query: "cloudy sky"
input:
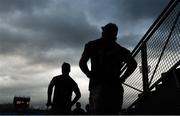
column 37, row 36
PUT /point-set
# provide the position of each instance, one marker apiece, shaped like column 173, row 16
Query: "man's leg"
column 112, row 99
column 95, row 101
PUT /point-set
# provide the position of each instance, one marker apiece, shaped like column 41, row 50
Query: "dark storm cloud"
column 133, row 17
column 67, row 23
column 57, row 30
column 127, row 10
column 44, row 29
column 7, row 6
column 42, row 24
column 142, row 9
column 58, row 22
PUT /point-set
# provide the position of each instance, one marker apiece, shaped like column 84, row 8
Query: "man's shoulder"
column 70, row 79
column 93, row 42
column 122, row 49
column 57, row 76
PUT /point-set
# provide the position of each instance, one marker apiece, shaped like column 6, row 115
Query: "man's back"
column 64, row 87
column 106, row 60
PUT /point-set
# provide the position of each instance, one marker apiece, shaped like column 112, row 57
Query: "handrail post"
column 144, row 67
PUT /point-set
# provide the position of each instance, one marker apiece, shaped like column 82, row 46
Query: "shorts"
column 106, row 99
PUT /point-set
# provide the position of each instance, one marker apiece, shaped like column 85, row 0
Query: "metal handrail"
column 157, row 23
column 162, row 17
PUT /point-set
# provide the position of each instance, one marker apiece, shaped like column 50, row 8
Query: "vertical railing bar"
column 144, row 67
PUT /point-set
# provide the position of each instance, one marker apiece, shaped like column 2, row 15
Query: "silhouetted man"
column 107, row 58
column 78, row 110
column 64, row 87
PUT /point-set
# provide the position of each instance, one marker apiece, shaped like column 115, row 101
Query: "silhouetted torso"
column 64, row 87
column 106, row 61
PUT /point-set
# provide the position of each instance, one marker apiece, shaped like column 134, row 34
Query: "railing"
column 156, row 53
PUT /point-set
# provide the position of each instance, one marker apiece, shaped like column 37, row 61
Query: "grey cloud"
column 62, row 24
column 143, row 9
column 127, row 10
column 7, row 6
column 35, row 92
column 129, row 41
column 45, row 30
column 10, row 41
column 60, row 29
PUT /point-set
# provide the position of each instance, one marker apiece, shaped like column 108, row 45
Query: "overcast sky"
column 37, row 36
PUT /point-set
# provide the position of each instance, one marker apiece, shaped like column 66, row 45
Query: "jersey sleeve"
column 53, row 81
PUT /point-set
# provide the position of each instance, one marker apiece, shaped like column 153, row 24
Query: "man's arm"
column 131, row 66
column 83, row 62
column 49, row 93
column 77, row 95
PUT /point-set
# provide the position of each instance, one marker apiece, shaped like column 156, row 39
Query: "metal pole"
column 144, row 67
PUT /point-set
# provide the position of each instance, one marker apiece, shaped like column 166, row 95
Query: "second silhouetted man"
column 64, row 87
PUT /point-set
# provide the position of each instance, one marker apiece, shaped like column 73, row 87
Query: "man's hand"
column 71, row 104
column 49, row 104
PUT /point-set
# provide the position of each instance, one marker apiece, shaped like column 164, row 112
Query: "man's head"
column 110, row 31
column 66, row 68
